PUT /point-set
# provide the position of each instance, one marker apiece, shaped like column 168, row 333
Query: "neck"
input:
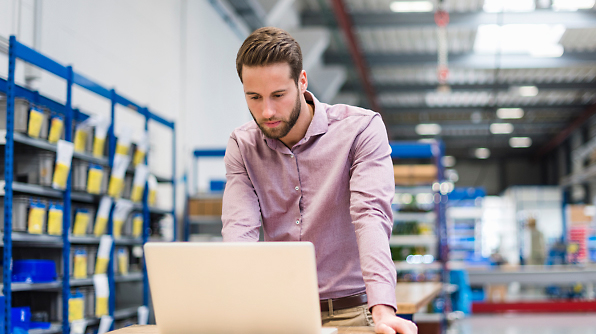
column 299, row 130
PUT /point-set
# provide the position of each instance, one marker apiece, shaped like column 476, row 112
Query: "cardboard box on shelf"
column 414, row 174
column 204, row 206
column 579, row 214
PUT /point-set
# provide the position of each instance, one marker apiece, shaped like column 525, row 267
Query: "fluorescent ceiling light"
column 573, row 5
column 428, row 129
column 537, row 40
column 501, row 128
column 448, row 161
column 482, row 153
column 510, row 113
column 411, row 6
column 528, row 91
column 495, row 6
column 520, row 142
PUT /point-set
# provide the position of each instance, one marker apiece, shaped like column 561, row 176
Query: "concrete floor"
column 552, row 323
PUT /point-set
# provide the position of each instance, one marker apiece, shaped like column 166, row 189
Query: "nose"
column 268, row 110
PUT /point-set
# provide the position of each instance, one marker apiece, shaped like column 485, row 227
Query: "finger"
column 384, row 329
column 406, row 327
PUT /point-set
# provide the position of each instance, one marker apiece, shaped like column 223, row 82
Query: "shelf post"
column 146, row 221
column 68, row 120
column 174, row 182
column 112, row 153
column 8, row 178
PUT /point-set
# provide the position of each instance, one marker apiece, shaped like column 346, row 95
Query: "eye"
column 278, row 95
column 254, row 97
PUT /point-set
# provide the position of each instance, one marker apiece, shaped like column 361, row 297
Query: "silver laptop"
column 265, row 288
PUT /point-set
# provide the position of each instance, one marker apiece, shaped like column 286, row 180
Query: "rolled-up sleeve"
column 240, row 213
column 372, row 188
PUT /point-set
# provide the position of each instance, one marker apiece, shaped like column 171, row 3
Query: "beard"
column 284, row 128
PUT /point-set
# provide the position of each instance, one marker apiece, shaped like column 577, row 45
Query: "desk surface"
column 413, row 296
column 410, row 298
column 153, row 330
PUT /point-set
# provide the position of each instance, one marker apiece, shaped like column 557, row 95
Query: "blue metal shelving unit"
column 196, row 154
column 434, row 151
column 24, row 53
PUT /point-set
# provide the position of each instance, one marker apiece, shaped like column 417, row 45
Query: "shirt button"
column 296, row 188
column 297, row 222
column 291, row 156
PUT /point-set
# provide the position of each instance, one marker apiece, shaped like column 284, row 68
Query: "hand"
column 386, row 322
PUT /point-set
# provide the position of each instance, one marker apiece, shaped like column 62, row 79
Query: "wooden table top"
column 152, row 329
column 413, row 296
column 410, row 298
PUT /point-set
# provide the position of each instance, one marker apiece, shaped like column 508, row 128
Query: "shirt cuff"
column 381, row 293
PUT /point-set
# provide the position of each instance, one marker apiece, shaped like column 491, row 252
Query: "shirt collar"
column 319, row 123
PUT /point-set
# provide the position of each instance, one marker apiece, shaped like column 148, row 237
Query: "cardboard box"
column 205, row 206
column 579, row 214
column 414, row 174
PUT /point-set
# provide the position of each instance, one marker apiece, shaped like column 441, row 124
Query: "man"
column 314, row 172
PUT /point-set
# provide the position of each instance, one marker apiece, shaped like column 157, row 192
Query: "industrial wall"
column 175, row 57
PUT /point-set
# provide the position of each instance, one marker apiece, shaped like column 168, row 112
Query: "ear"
column 302, row 82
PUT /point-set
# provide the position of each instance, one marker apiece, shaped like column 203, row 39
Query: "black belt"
column 344, row 302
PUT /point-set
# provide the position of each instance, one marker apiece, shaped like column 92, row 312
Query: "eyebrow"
column 275, row 92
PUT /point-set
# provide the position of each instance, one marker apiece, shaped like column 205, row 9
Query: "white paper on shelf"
column 143, row 144
column 122, row 209
column 104, row 207
column 124, row 136
column 101, row 285
column 78, row 326
column 104, row 324
column 105, row 246
column 143, row 315
column 64, row 152
column 141, row 173
column 120, row 165
column 102, row 124
column 152, row 182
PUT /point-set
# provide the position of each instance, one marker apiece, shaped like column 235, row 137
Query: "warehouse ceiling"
column 536, row 58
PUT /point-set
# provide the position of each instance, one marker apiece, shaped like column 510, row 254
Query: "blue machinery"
column 20, row 51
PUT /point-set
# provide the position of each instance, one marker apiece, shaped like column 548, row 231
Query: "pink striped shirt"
column 334, row 189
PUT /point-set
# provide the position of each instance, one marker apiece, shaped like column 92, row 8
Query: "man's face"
column 273, row 98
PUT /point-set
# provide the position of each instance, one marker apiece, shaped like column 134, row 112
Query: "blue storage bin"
column 40, row 325
column 21, row 317
column 217, row 185
column 33, row 271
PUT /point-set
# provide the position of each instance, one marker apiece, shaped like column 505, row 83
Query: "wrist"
column 381, row 310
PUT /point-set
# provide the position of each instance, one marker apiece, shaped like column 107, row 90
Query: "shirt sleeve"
column 372, row 188
column 241, row 212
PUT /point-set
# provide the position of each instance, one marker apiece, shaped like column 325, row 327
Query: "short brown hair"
column 267, row 46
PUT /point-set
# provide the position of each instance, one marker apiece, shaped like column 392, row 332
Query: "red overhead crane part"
column 560, row 138
column 345, row 23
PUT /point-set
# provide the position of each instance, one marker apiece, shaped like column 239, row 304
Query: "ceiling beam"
column 356, row 57
column 353, row 87
column 465, row 130
column 579, row 19
column 565, row 133
column 467, row 60
column 425, row 108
